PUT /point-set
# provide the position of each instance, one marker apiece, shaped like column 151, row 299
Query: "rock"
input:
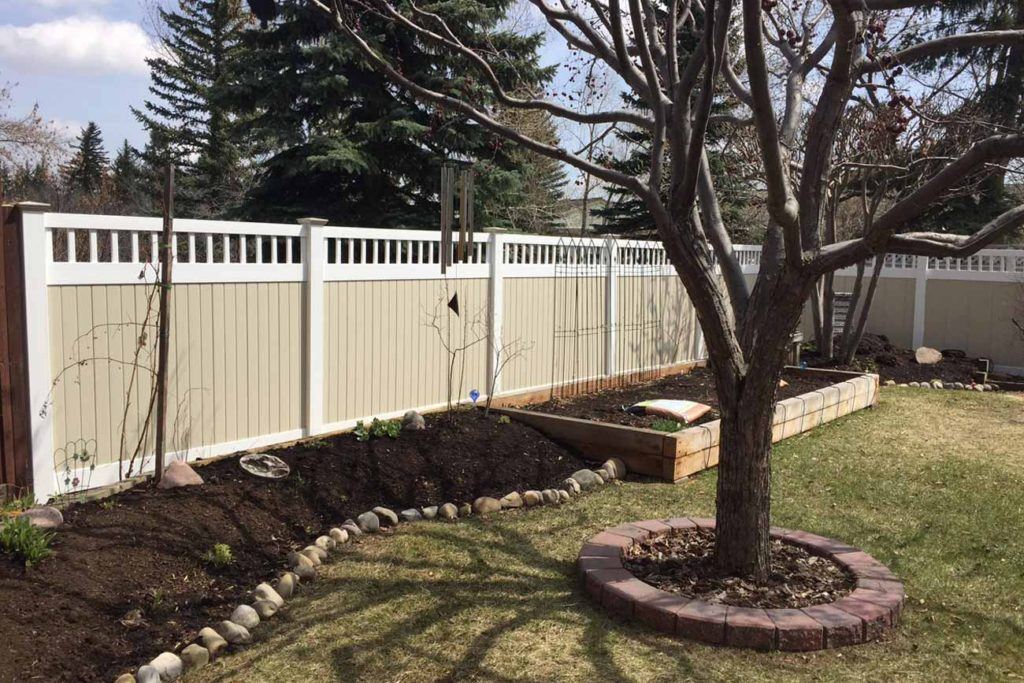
column 587, row 479
column 532, row 498
column 914, row 385
column 352, row 529
column 313, row 555
column 448, row 511
column 212, row 641
column 995, row 387
column 937, row 384
column 925, row 355
column 550, row 496
column 604, row 474
column 302, row 566
column 287, row 584
column 615, row 467
column 511, row 500
column 168, row 666
column 465, row 510
column 904, row 385
column 265, row 609
column 410, row 515
column 265, row 593
column 368, row 522
column 179, row 473
column 339, row 536
column 890, row 382
column 246, row 616
column 125, row 678
column 44, row 517
column 988, row 387
column 924, row 385
column 563, row 496
column 572, row 486
column 413, row 421
column 958, row 385
column 386, row 516
column 485, row 505
column 195, row 657
column 979, row 387
column 147, row 674
column 325, row 543
column 430, row 512
column 236, row 634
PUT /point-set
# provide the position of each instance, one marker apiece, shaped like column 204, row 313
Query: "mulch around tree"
column 696, row 385
column 128, row 579
column 877, row 354
column 682, row 562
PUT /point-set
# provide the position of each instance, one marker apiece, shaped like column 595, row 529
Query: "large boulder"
column 925, row 355
column 44, row 517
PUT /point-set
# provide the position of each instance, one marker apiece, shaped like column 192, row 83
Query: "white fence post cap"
column 312, row 221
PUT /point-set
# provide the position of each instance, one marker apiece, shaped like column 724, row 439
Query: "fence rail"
column 281, row 331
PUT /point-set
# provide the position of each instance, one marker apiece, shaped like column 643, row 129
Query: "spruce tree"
column 338, row 141
column 187, row 113
column 130, row 192
column 84, row 173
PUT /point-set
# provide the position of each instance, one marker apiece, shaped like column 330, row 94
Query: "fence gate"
column 15, row 441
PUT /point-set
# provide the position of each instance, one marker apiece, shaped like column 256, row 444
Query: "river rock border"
column 268, row 599
column 939, row 384
column 871, row 609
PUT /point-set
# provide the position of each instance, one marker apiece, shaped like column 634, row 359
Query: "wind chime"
column 461, row 251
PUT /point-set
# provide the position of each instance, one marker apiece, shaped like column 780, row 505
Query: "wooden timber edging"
column 677, row 455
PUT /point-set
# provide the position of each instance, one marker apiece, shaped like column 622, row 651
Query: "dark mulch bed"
column 697, row 385
column 143, row 549
column 877, row 354
column 683, row 562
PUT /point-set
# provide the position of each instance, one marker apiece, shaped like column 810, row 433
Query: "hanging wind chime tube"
column 446, row 197
column 468, row 189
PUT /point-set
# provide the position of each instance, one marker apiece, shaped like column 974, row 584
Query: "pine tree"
column 130, row 193
column 84, row 173
column 338, row 141
column 187, row 114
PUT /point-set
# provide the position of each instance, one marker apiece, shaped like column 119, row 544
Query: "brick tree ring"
column 872, row 608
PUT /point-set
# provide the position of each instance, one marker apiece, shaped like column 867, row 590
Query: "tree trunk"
column 744, row 486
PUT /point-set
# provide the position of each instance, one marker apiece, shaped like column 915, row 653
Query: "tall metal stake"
column 163, row 340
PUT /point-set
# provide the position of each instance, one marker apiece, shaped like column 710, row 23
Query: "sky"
column 84, row 60
column 80, row 60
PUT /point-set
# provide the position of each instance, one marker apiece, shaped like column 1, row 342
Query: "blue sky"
column 80, row 60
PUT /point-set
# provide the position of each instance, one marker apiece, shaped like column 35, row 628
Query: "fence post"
column 920, row 296
column 611, row 307
column 495, row 305
column 37, row 336
column 313, row 256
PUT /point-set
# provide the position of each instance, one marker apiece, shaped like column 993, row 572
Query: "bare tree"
column 810, row 44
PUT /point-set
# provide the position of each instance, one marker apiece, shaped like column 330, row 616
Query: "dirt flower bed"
column 877, row 354
column 683, row 563
column 697, row 385
column 130, row 575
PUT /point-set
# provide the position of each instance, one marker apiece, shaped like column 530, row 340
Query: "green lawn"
column 930, row 483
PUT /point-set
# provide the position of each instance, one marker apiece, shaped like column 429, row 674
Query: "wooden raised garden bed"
column 672, row 456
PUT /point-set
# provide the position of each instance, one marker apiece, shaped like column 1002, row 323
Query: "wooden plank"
column 15, row 442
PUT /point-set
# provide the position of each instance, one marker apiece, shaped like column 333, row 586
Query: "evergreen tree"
column 188, row 115
column 338, row 141
column 130, row 191
column 84, row 173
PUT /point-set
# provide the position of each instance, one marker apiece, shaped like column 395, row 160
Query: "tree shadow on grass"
column 485, row 589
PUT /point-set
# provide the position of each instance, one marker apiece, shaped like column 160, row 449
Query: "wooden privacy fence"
column 15, row 447
column 285, row 331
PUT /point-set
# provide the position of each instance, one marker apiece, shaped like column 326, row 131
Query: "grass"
column 931, row 483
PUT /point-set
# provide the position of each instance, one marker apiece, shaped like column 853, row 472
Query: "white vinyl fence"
column 285, row 331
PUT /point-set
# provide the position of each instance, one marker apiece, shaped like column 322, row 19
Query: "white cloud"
column 76, row 4
column 81, row 44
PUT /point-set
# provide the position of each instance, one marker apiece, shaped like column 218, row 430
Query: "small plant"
column 20, row 539
column 108, row 504
column 665, row 425
column 504, row 420
column 219, row 556
column 16, row 506
column 377, row 429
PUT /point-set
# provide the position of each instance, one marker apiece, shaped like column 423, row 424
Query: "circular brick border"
column 872, row 608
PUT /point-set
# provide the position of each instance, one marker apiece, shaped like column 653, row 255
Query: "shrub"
column 220, row 555
column 28, row 543
column 377, row 429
